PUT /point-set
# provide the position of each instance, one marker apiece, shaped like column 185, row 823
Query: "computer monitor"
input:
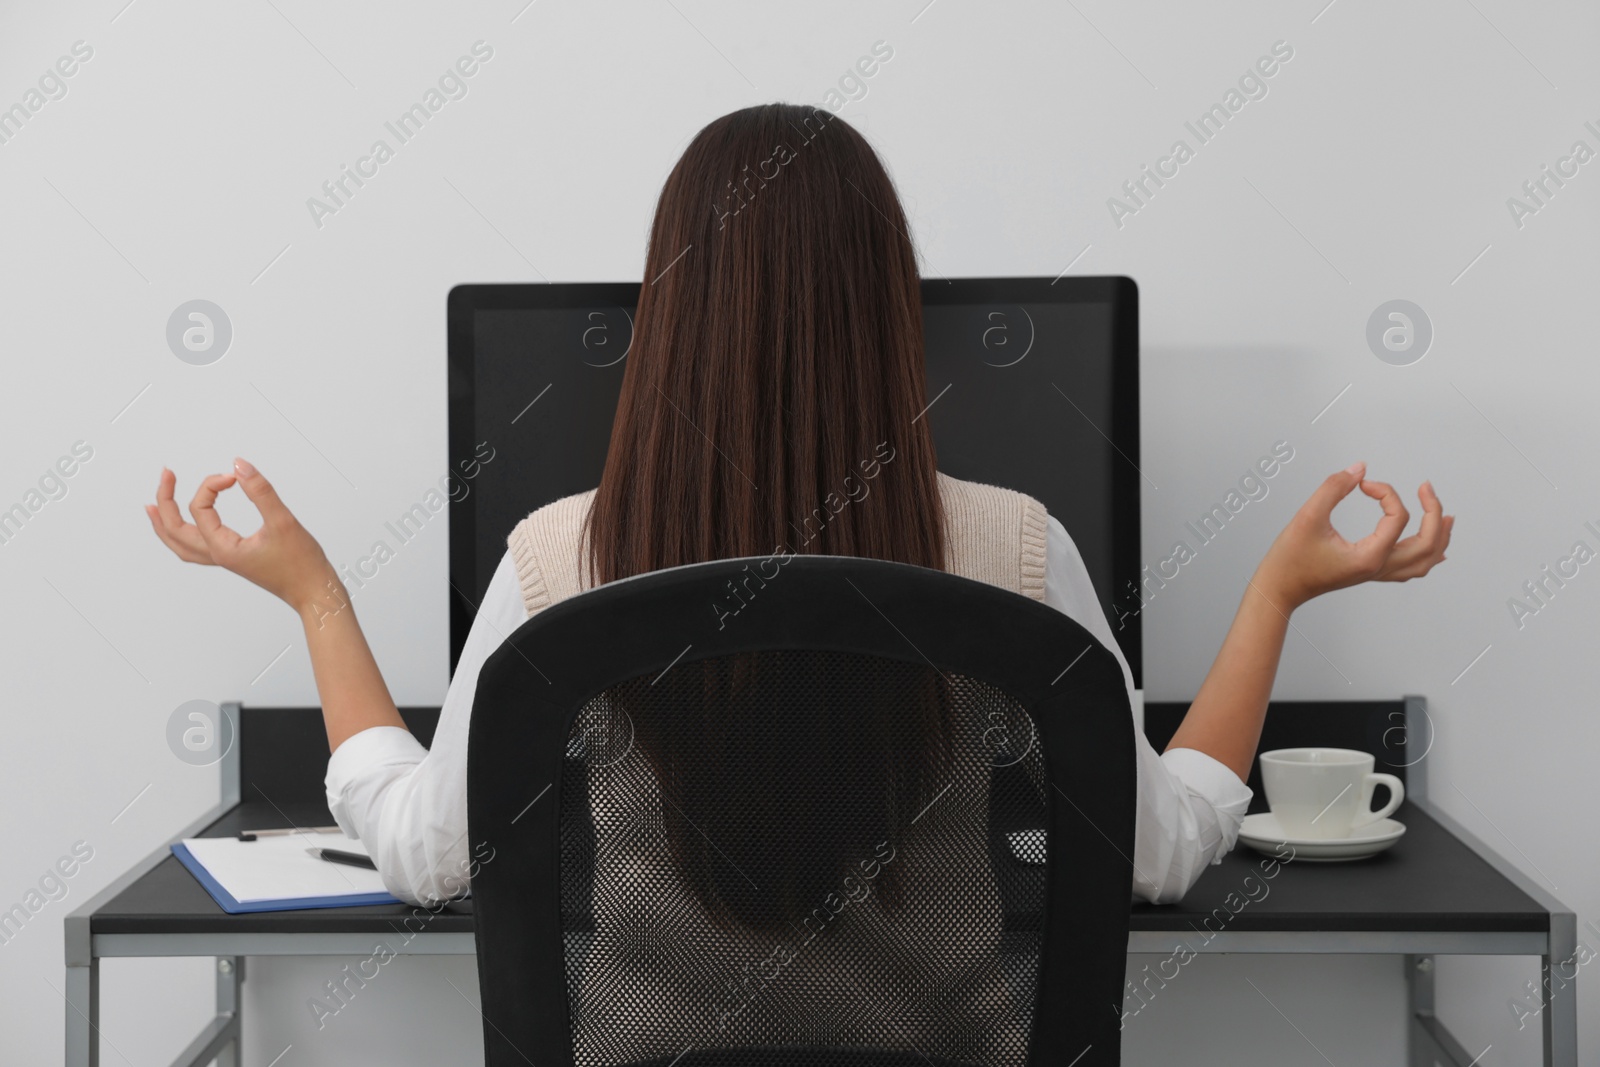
column 1033, row 384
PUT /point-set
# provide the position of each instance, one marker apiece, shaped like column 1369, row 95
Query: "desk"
column 1440, row 891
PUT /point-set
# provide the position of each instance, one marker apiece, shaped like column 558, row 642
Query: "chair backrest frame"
column 530, row 690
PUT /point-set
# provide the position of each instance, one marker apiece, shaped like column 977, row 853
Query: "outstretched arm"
column 1225, row 719
column 352, row 690
column 284, row 559
column 1308, row 558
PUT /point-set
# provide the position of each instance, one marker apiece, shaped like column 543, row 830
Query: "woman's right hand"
column 1310, row 557
column 281, row 557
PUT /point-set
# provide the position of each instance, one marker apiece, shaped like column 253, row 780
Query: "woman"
column 779, row 347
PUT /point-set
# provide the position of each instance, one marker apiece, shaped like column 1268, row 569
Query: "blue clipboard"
column 228, row 903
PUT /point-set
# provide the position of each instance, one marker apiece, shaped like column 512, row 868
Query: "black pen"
column 349, row 859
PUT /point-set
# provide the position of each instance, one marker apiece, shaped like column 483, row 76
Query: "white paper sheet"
column 279, row 868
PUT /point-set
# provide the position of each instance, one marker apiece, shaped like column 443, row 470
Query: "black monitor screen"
column 1033, row 385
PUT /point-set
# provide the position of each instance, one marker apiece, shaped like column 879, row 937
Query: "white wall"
column 178, row 165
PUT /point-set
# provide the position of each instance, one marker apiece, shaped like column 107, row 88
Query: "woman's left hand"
column 281, row 557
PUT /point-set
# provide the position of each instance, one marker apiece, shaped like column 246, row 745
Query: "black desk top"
column 1429, row 881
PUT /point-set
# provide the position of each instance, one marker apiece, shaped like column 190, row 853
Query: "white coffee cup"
column 1320, row 793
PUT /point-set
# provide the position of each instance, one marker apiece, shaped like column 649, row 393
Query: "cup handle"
column 1397, row 793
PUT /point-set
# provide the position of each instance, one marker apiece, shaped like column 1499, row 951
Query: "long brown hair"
column 772, row 402
column 777, row 360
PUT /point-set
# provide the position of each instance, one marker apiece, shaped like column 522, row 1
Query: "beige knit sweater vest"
column 992, row 535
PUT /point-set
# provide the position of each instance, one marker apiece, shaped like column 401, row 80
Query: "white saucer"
column 1262, row 833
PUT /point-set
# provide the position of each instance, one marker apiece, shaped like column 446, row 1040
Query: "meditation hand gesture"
column 1310, row 557
column 281, row 557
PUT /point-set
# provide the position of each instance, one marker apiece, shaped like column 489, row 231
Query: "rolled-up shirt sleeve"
column 1190, row 805
column 407, row 803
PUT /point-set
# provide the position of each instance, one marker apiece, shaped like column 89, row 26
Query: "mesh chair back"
column 813, row 832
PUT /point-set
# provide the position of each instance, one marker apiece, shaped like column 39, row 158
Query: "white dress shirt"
column 409, row 803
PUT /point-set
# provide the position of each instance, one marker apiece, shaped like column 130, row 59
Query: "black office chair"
column 804, row 830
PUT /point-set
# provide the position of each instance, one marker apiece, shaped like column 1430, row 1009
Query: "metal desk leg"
column 1428, row 1043
column 219, row 1041
column 230, row 980
column 83, row 1014
column 1422, row 1039
column 1559, row 972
